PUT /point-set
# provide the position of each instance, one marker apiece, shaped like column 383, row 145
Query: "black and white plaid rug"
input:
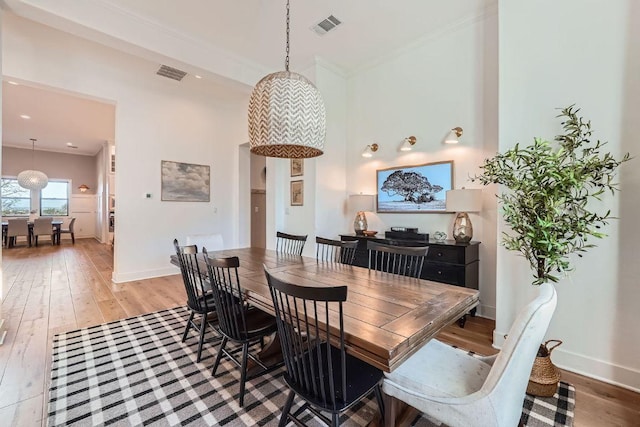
column 137, row 372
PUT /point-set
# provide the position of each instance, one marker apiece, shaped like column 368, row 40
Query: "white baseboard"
column 487, row 311
column 591, row 367
column 141, row 275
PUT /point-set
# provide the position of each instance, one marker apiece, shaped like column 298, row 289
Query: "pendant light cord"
column 33, row 153
column 286, row 61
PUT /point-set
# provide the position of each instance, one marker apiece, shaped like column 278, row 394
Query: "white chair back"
column 42, row 226
column 507, row 381
column 17, row 227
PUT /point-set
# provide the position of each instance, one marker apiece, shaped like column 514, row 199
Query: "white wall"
column 156, row 119
column 434, row 85
column 553, row 54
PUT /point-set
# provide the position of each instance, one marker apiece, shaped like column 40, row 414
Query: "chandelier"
column 286, row 115
column 32, row 179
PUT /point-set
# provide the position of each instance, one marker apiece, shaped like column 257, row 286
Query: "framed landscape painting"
column 185, row 182
column 414, row 189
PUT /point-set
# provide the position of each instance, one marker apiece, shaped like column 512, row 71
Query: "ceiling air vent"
column 171, row 73
column 326, row 25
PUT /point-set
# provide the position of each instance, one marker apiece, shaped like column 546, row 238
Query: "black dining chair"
column 329, row 250
column 400, row 260
column 199, row 300
column 319, row 370
column 237, row 320
column 290, row 243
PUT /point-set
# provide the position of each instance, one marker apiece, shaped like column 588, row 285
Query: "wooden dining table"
column 386, row 317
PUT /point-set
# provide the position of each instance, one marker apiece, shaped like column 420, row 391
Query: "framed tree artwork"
column 414, row 189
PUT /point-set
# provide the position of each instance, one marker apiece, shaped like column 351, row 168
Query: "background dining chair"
column 290, row 243
column 70, row 230
column 336, row 250
column 323, row 375
column 199, row 300
column 459, row 389
column 401, row 260
column 237, row 320
column 17, row 227
column 42, row 227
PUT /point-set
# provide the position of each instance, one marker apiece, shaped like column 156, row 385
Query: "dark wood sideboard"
column 447, row 262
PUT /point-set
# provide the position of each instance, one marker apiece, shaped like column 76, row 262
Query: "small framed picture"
column 297, row 193
column 297, row 167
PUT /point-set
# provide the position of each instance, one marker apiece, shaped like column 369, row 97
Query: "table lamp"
column 463, row 201
column 361, row 203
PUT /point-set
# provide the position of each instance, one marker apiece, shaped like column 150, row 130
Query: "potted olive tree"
column 549, row 190
column 548, row 206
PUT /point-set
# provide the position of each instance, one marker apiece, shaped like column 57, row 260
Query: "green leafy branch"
column 550, row 186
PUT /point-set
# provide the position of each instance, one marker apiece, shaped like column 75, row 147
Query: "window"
column 54, row 199
column 16, row 201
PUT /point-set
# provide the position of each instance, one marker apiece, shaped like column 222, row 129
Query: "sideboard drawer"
column 443, row 273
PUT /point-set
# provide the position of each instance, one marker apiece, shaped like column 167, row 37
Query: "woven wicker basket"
column 545, row 376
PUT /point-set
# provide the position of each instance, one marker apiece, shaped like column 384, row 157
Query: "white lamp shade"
column 452, row 138
column 362, row 202
column 464, row 200
column 32, row 180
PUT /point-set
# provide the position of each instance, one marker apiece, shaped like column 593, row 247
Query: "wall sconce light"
column 369, row 150
column 83, row 188
column 453, row 136
column 408, row 143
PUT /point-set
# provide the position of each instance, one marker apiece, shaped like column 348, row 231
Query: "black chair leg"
column 219, row 355
column 73, row 238
column 203, row 326
column 380, row 400
column 335, row 419
column 186, row 328
column 284, row 418
column 243, row 371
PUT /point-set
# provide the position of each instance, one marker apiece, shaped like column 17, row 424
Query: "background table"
column 57, row 226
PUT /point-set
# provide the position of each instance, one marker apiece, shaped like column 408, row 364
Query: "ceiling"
column 246, row 34
column 56, row 118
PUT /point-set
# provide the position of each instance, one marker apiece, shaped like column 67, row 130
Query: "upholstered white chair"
column 459, row 389
column 43, row 227
column 213, row 242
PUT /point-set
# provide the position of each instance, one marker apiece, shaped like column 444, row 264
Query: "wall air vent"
column 326, row 25
column 171, row 73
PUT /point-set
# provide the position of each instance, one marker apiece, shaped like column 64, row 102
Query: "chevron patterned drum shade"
column 286, row 117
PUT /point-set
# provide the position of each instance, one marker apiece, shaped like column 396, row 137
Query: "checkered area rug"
column 136, row 372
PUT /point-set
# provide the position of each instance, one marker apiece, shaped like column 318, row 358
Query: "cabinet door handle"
column 439, row 253
column 440, row 273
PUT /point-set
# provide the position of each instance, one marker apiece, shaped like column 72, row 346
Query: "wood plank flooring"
column 50, row 289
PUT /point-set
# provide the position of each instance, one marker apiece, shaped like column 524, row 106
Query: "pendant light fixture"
column 32, row 179
column 286, row 115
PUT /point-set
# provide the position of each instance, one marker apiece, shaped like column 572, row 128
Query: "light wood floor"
column 48, row 290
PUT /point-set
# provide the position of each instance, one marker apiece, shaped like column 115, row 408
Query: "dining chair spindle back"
column 319, row 370
column 329, row 250
column 290, row 243
column 199, row 300
column 401, row 260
